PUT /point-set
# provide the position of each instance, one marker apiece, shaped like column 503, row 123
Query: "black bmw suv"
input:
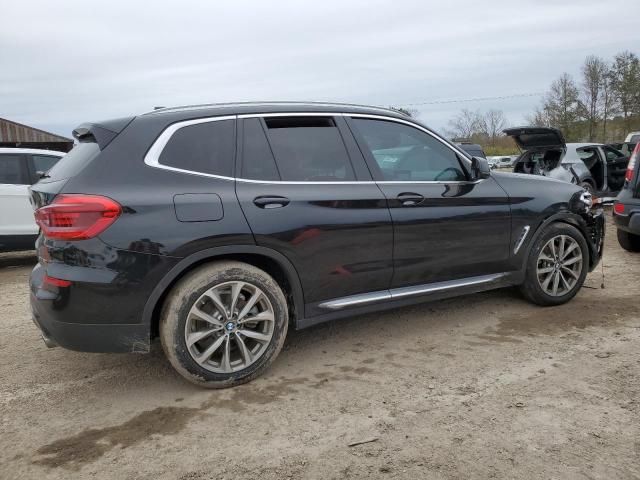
column 217, row 227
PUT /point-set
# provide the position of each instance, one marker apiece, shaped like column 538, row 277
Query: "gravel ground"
column 484, row 386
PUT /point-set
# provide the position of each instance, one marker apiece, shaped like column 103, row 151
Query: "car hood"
column 515, row 179
column 536, row 137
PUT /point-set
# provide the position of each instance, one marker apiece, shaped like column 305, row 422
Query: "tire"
column 629, row 241
column 534, row 284
column 241, row 348
column 588, row 187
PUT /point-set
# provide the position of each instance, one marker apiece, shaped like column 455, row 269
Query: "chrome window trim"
column 402, row 292
column 152, row 157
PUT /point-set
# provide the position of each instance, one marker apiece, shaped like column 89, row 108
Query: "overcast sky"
column 66, row 62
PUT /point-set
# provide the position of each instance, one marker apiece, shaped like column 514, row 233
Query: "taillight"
column 77, row 217
column 632, row 163
column 618, row 208
column 55, row 282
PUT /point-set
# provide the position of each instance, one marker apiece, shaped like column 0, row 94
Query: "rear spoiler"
column 101, row 133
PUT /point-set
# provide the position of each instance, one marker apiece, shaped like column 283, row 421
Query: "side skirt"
column 398, row 297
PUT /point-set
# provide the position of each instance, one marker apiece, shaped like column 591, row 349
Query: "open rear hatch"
column 528, row 138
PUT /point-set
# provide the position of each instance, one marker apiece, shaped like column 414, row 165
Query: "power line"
column 477, row 99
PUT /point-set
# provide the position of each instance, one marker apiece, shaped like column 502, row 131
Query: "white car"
column 633, row 137
column 20, row 168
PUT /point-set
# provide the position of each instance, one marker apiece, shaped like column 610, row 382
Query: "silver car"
column 596, row 167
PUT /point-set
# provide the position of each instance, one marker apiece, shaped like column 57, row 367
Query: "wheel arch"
column 271, row 261
column 569, row 218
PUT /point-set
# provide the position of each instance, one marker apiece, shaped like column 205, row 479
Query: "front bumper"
column 595, row 229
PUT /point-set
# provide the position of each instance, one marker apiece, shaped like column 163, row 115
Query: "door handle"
column 271, row 201
column 410, row 199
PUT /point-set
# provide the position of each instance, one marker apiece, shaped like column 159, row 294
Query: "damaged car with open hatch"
column 598, row 168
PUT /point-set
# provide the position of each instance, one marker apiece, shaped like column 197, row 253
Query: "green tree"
column 562, row 106
column 625, row 74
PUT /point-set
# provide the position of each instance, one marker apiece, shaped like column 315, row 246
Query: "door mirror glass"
column 480, row 168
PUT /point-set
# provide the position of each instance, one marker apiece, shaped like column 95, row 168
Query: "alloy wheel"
column 559, row 265
column 229, row 327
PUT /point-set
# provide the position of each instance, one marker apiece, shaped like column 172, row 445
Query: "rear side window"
column 309, row 149
column 257, row 160
column 206, row 147
column 12, row 169
column 74, row 161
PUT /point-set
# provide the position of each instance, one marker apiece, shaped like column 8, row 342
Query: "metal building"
column 13, row 134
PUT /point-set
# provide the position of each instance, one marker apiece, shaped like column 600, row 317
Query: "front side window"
column 11, row 169
column 308, row 149
column 404, row 153
column 205, row 147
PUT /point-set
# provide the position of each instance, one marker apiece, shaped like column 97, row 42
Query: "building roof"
column 14, row 132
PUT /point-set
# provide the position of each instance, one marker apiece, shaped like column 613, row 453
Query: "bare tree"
column 608, row 100
column 626, row 84
column 594, row 70
column 539, row 118
column 494, row 122
column 466, row 124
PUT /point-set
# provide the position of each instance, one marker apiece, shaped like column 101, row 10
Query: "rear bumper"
column 100, row 310
column 84, row 337
column 630, row 220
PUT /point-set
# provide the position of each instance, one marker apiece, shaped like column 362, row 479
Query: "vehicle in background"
column 472, row 149
column 626, row 148
column 19, row 168
column 491, row 161
column 230, row 223
column 633, row 137
column 626, row 208
column 503, row 161
column 597, row 168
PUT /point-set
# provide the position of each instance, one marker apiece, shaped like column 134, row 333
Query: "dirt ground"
column 485, row 386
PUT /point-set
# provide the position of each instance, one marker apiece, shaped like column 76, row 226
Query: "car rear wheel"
column 223, row 324
column 629, row 241
column 557, row 265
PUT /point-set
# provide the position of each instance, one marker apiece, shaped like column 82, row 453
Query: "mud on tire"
column 202, row 305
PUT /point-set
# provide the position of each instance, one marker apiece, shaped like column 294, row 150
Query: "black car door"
column 446, row 226
column 307, row 193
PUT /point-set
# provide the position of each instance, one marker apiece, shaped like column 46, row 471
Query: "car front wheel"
column 223, row 324
column 557, row 265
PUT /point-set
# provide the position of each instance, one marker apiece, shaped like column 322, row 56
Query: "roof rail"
column 266, row 103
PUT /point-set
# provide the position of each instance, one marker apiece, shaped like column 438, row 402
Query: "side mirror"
column 480, row 168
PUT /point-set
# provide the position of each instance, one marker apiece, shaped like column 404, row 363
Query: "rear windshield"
column 634, row 139
column 74, row 161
